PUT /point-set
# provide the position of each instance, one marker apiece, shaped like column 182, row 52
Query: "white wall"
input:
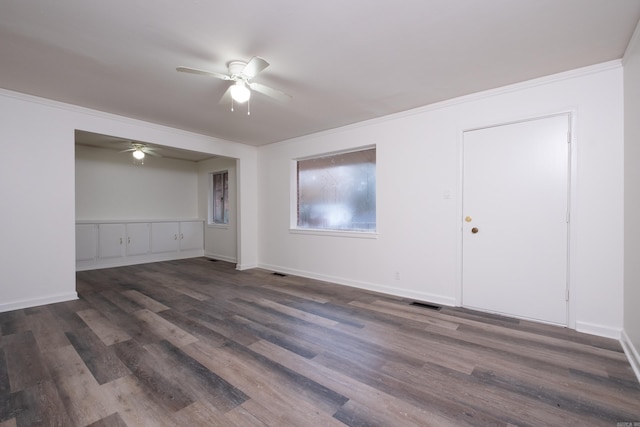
column 37, row 189
column 109, row 186
column 220, row 241
column 418, row 160
column 631, row 336
column 37, row 258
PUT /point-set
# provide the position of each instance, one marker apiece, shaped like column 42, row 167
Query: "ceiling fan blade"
column 151, row 153
column 254, row 66
column 124, row 151
column 226, row 97
column 270, row 92
column 203, row 72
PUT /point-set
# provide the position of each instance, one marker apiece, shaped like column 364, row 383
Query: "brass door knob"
column 474, row 230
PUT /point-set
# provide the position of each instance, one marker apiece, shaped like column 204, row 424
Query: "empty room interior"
column 290, row 213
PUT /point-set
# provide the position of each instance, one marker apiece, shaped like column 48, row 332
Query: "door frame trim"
column 572, row 114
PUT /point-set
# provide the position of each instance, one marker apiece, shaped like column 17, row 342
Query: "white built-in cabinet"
column 165, row 237
column 119, row 240
column 111, row 240
column 191, row 235
column 86, row 242
column 173, row 236
column 137, row 238
column 117, row 243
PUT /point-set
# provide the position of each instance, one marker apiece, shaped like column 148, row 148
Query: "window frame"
column 211, row 220
column 295, row 229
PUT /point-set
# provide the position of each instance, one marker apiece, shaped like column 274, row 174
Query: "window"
column 338, row 191
column 219, row 209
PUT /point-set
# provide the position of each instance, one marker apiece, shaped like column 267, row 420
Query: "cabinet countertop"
column 128, row 221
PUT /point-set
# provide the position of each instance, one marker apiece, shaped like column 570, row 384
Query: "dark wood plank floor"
column 195, row 342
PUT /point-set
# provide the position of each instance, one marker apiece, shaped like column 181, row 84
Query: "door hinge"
column 569, row 137
column 566, row 296
column 568, row 217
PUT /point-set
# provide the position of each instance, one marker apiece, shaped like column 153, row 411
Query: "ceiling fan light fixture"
column 138, row 154
column 240, row 92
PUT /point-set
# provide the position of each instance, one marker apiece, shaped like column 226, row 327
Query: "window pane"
column 220, row 198
column 338, row 192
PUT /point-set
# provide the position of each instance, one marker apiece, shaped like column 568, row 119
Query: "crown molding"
column 73, row 108
column 635, row 39
column 528, row 84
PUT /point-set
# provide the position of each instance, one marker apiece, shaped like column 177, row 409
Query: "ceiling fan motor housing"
column 236, row 68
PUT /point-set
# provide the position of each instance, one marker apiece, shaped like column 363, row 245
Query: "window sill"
column 335, row 233
column 219, row 226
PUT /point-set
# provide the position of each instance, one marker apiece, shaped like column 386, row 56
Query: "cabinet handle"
column 121, row 240
column 181, row 236
column 175, row 237
column 128, row 240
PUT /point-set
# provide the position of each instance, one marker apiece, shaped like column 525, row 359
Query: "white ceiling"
column 114, row 143
column 343, row 61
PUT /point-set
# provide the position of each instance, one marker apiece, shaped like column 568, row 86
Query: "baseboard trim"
column 138, row 259
column 632, row 353
column 221, row 257
column 374, row 287
column 599, row 330
column 52, row 299
column 241, row 267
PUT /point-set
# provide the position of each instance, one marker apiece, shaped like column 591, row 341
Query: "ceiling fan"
column 139, row 150
column 241, row 74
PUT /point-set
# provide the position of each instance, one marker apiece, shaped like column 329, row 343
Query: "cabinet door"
column 191, row 235
column 137, row 238
column 165, row 237
column 86, row 242
column 111, row 240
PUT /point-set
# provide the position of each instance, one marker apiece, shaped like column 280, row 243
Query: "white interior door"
column 515, row 219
